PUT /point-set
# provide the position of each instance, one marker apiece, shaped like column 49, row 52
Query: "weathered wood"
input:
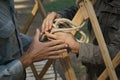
column 41, row 8
column 30, row 18
column 34, row 71
column 116, row 62
column 100, row 39
column 37, row 6
column 68, row 70
column 45, row 68
column 39, row 66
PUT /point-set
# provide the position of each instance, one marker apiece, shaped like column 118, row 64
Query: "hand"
column 48, row 21
column 42, row 50
column 68, row 38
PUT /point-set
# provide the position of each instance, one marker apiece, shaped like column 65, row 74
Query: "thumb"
column 37, row 34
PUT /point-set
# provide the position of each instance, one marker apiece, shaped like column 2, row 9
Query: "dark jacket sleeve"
column 69, row 12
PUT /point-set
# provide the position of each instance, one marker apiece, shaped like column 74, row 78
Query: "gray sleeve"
column 11, row 71
column 90, row 53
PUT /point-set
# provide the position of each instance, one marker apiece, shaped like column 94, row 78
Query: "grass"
column 56, row 5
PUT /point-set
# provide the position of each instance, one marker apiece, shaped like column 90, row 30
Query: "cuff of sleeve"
column 16, row 68
column 90, row 53
column 86, row 53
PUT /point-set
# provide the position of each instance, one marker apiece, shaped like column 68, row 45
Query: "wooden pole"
column 100, row 39
column 116, row 62
column 30, row 18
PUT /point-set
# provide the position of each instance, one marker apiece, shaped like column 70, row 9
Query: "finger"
column 51, row 20
column 54, row 57
column 37, row 34
column 47, row 24
column 50, row 24
column 58, row 52
column 58, row 47
column 43, row 25
column 54, row 42
column 49, row 35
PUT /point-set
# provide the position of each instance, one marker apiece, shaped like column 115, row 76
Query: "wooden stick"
column 37, row 6
column 116, row 62
column 30, row 18
column 34, row 71
column 25, row 30
column 100, row 39
column 45, row 68
column 41, row 8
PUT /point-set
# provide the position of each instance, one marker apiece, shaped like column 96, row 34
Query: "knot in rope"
column 67, row 26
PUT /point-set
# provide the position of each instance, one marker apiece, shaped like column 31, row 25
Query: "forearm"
column 11, row 71
column 25, row 60
column 92, row 54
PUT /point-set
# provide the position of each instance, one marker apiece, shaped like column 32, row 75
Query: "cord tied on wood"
column 67, row 26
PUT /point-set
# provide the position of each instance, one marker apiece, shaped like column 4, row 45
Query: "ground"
column 23, row 9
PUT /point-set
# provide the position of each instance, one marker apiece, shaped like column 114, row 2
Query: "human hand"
column 48, row 21
column 68, row 38
column 43, row 50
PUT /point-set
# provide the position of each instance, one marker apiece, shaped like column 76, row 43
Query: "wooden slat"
column 50, row 75
column 30, row 18
column 116, row 62
column 34, row 71
column 41, row 8
column 45, row 68
column 100, row 39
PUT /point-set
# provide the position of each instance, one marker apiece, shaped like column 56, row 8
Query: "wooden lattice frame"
column 85, row 11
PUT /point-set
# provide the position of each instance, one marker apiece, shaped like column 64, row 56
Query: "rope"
column 68, row 25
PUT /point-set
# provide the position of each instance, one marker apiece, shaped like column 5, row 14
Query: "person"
column 108, row 14
column 18, row 51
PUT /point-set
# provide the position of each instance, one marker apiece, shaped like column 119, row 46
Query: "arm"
column 37, row 51
column 87, row 52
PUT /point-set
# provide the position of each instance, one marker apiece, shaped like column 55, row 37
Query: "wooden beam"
column 100, row 39
column 30, row 18
column 116, row 62
column 45, row 68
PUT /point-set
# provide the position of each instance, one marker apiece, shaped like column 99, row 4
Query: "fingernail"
column 66, row 45
column 46, row 29
column 49, row 28
column 65, row 49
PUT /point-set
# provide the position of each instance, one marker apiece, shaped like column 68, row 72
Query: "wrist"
column 25, row 60
column 76, row 47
